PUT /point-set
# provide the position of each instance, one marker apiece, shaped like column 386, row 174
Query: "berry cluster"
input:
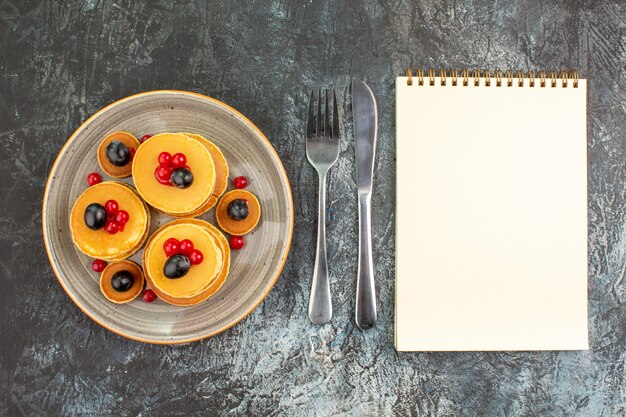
column 181, row 255
column 173, row 170
column 183, row 247
column 116, row 218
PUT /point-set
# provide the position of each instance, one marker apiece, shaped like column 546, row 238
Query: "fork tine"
column 318, row 119
column 335, row 129
column 327, row 132
column 310, row 118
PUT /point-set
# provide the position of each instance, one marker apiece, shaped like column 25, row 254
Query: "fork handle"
column 365, row 315
column 320, row 303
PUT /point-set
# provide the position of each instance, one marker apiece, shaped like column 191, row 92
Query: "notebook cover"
column 491, row 226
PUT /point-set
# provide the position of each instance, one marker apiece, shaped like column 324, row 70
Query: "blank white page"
column 491, row 226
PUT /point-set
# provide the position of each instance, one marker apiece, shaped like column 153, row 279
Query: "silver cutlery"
column 322, row 151
column 365, row 119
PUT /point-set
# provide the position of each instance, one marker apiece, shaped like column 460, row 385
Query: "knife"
column 365, row 119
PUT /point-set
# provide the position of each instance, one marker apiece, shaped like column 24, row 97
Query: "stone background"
column 60, row 61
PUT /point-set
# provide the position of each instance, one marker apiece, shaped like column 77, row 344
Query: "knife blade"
column 365, row 120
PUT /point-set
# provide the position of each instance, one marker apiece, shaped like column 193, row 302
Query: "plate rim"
column 44, row 216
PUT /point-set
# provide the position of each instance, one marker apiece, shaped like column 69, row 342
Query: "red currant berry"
column 163, row 173
column 132, row 151
column 240, row 182
column 186, row 247
column 145, row 138
column 171, row 247
column 165, row 158
column 94, row 178
column 112, row 228
column 98, row 265
column 111, row 207
column 120, row 227
column 179, row 160
column 196, row 257
column 122, row 217
column 148, row 296
column 236, row 242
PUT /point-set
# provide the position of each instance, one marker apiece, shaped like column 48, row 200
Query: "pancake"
column 168, row 199
column 214, row 284
column 99, row 243
column 111, row 293
column 112, row 170
column 238, row 227
column 198, row 277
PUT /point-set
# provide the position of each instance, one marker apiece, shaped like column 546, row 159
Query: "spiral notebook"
column 491, row 226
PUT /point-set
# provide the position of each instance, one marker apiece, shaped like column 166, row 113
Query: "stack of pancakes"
column 100, row 244
column 202, row 280
column 206, row 162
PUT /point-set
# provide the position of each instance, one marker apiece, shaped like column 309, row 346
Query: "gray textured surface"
column 61, row 61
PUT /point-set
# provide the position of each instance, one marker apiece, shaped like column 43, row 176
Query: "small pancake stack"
column 202, row 280
column 205, row 162
column 97, row 243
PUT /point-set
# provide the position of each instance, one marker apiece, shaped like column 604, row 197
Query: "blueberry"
column 238, row 209
column 118, row 153
column 122, row 281
column 95, row 216
column 181, row 177
column 176, row 266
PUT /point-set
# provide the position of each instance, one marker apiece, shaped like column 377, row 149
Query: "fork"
column 322, row 151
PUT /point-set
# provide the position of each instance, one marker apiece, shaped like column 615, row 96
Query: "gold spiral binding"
column 497, row 74
column 509, row 78
column 532, row 76
column 552, row 79
column 574, row 76
column 542, row 78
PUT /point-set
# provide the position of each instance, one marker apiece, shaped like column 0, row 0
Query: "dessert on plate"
column 238, row 212
column 109, row 221
column 214, row 284
column 115, row 154
column 174, row 173
column 186, row 261
column 121, row 281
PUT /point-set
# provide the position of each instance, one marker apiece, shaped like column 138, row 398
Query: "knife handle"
column 320, row 303
column 365, row 315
